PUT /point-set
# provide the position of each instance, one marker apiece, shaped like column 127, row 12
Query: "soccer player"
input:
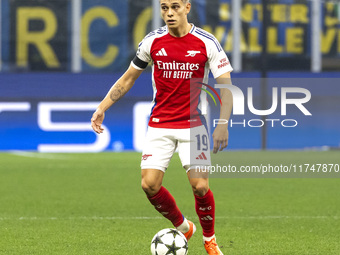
column 178, row 52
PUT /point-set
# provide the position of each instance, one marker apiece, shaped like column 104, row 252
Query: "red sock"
column 205, row 209
column 165, row 203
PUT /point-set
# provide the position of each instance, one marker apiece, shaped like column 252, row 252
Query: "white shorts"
column 161, row 143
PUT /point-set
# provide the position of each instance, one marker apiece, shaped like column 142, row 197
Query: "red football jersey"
column 175, row 60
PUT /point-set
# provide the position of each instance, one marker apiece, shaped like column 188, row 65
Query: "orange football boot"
column 212, row 248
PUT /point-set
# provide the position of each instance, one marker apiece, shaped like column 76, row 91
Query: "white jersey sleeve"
column 143, row 52
column 143, row 57
column 217, row 59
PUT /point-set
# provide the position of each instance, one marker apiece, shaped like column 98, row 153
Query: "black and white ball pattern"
column 169, row 242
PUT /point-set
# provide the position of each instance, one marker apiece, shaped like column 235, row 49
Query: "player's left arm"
column 221, row 134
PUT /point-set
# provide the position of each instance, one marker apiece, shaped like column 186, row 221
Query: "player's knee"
column 150, row 188
column 200, row 188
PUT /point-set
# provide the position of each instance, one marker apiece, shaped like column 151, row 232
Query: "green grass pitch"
column 93, row 204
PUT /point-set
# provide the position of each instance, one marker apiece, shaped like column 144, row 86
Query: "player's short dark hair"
column 185, row 1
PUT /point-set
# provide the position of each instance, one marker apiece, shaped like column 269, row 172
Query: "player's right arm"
column 125, row 83
column 117, row 91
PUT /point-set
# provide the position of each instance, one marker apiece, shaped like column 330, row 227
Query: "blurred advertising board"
column 39, row 35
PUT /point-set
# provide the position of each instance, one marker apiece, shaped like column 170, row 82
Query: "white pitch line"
column 36, row 155
column 273, row 217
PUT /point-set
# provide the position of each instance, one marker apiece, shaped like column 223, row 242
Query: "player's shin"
column 165, row 204
column 205, row 209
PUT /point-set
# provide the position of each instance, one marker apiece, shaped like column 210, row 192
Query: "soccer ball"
column 169, row 242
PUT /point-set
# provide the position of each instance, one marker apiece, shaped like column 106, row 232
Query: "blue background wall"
column 20, row 130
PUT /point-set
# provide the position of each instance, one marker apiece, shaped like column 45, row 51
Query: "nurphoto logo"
column 240, row 102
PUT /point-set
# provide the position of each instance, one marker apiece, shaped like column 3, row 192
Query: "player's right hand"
column 97, row 120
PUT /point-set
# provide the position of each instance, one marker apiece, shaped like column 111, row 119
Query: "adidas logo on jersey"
column 162, row 53
column 202, row 156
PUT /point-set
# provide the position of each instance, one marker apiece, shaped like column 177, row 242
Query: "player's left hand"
column 97, row 120
column 220, row 138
